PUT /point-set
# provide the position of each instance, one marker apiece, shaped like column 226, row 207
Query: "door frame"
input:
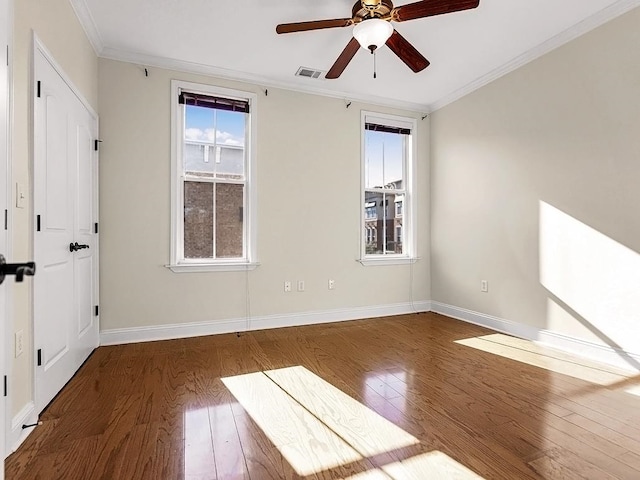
column 6, row 359
column 39, row 47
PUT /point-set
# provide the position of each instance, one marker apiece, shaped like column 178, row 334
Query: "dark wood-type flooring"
column 164, row 410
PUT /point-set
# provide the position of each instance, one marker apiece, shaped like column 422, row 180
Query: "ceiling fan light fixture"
column 373, row 33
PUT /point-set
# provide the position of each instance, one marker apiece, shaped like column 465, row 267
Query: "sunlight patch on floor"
column 436, row 465
column 315, row 425
column 539, row 356
column 362, row 428
column 304, row 441
column 634, row 390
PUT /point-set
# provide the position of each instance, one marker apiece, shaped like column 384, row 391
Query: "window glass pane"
column 195, row 159
column 199, row 124
column 198, row 220
column 374, row 222
column 229, row 220
column 229, row 162
column 382, row 227
column 230, row 128
column 384, row 159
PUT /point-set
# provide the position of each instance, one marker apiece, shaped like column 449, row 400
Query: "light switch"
column 21, row 196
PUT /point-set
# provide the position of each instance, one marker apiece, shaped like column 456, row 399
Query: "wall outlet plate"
column 19, row 343
column 21, row 195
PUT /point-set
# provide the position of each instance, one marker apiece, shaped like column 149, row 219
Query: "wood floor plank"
column 632, row 459
column 227, row 449
column 560, row 463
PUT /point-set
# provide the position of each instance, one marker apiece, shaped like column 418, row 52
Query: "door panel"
column 57, row 178
column 84, row 199
column 84, row 272
column 53, row 280
column 84, row 235
column 65, row 328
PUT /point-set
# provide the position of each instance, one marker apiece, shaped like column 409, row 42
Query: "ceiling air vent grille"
column 308, row 72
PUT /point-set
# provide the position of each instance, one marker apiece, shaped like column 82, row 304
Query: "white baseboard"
column 589, row 350
column 185, row 330
column 26, row 416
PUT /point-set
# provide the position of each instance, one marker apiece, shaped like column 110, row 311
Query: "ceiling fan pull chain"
column 373, row 52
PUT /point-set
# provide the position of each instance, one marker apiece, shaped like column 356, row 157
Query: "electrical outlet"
column 301, row 285
column 21, row 196
column 332, row 284
column 287, row 286
column 484, row 286
column 19, row 343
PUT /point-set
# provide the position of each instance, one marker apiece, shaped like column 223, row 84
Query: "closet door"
column 65, row 323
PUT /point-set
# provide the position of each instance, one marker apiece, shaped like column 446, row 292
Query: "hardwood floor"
column 416, row 396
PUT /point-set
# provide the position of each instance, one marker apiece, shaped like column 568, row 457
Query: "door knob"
column 17, row 269
column 76, row 246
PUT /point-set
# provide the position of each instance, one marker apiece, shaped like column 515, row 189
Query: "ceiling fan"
column 373, row 28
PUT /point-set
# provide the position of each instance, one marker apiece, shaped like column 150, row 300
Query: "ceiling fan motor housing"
column 371, row 8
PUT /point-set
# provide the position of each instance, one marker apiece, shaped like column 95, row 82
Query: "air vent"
column 308, row 72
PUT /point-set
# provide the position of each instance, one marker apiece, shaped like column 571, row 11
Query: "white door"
column 4, row 167
column 65, row 245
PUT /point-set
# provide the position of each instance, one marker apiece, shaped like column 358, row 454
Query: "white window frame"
column 409, row 207
column 178, row 263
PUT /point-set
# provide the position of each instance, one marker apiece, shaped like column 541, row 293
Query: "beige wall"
column 308, row 162
column 58, row 28
column 535, row 188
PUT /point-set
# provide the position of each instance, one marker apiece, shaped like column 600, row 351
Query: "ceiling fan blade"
column 315, row 25
column 429, row 8
column 407, row 52
column 343, row 60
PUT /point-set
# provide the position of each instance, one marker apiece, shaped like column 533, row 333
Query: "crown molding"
column 209, row 70
column 586, row 25
column 88, row 24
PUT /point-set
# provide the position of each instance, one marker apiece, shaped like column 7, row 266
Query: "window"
column 387, row 167
column 398, row 201
column 370, row 210
column 213, row 194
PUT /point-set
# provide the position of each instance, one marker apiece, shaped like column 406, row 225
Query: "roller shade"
column 208, row 101
column 387, row 129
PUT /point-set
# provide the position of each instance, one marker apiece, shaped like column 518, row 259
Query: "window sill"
column 213, row 267
column 369, row 262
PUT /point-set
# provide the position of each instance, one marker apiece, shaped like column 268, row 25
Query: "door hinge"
column 6, row 386
column 95, row 227
column 96, row 143
column 96, row 310
column 39, row 88
column 39, row 357
column 6, row 219
column 38, row 223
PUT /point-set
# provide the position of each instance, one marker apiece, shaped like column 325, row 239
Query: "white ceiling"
column 237, row 39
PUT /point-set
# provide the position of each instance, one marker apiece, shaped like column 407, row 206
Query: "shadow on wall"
column 593, row 282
